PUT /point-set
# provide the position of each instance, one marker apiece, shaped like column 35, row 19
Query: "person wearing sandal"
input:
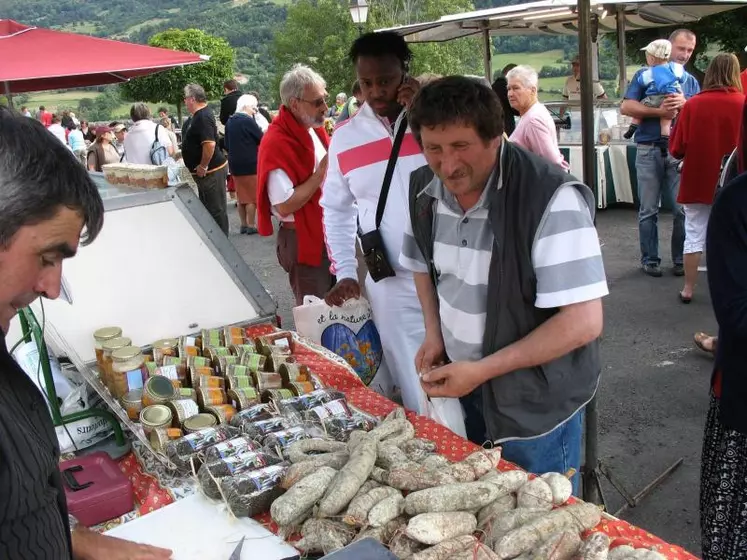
column 702, row 150
column 706, row 342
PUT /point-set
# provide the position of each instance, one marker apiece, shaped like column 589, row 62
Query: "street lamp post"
column 359, row 13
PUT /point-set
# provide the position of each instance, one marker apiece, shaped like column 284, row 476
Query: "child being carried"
column 661, row 79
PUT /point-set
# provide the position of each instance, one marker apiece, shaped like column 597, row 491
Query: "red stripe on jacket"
column 375, row 152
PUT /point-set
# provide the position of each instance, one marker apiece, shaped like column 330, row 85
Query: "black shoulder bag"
column 372, row 243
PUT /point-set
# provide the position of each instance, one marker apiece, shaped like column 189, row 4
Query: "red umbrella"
column 37, row 59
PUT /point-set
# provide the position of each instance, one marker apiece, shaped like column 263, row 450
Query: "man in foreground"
column 509, row 273
column 292, row 161
column 46, row 200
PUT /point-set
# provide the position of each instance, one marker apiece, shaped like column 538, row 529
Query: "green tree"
column 320, row 33
column 169, row 86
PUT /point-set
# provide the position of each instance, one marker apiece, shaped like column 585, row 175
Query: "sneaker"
column 244, row 230
column 652, row 269
column 678, row 270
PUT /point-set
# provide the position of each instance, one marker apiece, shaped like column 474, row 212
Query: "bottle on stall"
column 128, row 370
column 99, row 337
column 109, row 347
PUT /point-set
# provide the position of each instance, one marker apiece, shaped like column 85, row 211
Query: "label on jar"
column 134, row 379
column 266, row 478
column 168, row 371
column 256, row 411
column 268, row 426
column 188, row 408
column 173, row 361
column 334, row 408
column 245, row 462
column 286, row 437
column 201, row 361
column 242, row 383
column 234, row 447
column 238, row 371
column 202, row 438
column 190, row 341
column 252, row 361
column 282, row 342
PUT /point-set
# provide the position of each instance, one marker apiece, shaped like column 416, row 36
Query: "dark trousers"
column 305, row 280
column 212, row 192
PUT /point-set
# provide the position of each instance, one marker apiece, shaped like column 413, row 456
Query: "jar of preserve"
column 99, row 337
column 158, row 390
column 154, row 417
column 199, row 422
column 164, row 347
column 133, row 404
column 181, row 409
column 128, row 370
column 108, row 347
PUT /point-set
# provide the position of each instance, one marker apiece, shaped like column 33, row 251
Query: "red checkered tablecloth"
column 150, row 495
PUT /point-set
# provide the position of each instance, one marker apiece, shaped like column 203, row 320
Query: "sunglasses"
column 316, row 103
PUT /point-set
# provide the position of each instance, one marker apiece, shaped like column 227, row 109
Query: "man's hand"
column 321, row 169
column 431, row 353
column 673, row 102
column 89, row 545
column 200, row 171
column 345, row 289
column 453, row 380
column 407, row 91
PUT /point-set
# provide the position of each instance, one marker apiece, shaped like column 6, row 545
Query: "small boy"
column 661, row 79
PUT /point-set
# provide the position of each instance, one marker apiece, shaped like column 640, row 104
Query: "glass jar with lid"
column 109, row 347
column 128, row 370
column 102, row 335
column 164, row 347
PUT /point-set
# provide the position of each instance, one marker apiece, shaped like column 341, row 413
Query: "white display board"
column 151, row 272
column 196, row 529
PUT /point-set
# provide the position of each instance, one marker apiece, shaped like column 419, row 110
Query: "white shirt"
column 140, row 138
column 572, row 89
column 358, row 157
column 58, row 131
column 279, row 185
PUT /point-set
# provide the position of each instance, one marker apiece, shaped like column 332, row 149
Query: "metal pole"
column 8, row 94
column 620, row 24
column 587, row 92
column 592, row 489
column 487, row 54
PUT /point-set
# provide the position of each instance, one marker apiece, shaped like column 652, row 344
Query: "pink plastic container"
column 95, row 488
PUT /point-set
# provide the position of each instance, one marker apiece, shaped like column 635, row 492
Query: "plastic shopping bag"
column 348, row 331
column 447, row 412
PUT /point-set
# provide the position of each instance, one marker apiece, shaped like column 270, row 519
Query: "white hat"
column 661, row 48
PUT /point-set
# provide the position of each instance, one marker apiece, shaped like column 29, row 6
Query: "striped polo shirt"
column 566, row 256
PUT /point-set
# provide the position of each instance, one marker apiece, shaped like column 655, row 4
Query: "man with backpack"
column 146, row 142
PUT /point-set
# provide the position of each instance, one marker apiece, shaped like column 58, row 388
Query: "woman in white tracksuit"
column 357, row 160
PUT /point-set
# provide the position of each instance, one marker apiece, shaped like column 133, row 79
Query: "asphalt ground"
column 654, row 391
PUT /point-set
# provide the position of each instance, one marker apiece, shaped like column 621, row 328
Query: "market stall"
column 222, row 408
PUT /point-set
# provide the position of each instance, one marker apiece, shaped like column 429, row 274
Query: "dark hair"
column 38, row 175
column 56, row 118
column 255, row 94
column 677, row 32
column 231, row 85
column 139, row 112
column 381, row 44
column 356, row 87
column 41, row 107
column 114, row 123
column 163, row 110
column 507, row 68
column 457, row 99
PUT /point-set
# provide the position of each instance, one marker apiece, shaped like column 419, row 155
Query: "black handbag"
column 372, row 244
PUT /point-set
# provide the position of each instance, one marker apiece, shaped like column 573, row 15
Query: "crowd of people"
column 482, row 262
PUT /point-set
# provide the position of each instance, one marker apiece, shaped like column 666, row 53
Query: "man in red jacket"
column 292, row 162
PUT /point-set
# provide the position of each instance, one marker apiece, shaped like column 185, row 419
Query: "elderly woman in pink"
column 536, row 128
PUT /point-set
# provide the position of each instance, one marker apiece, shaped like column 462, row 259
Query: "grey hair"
column 139, row 112
column 38, row 176
column 682, row 31
column 196, row 92
column 295, row 80
column 246, row 100
column 525, row 74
